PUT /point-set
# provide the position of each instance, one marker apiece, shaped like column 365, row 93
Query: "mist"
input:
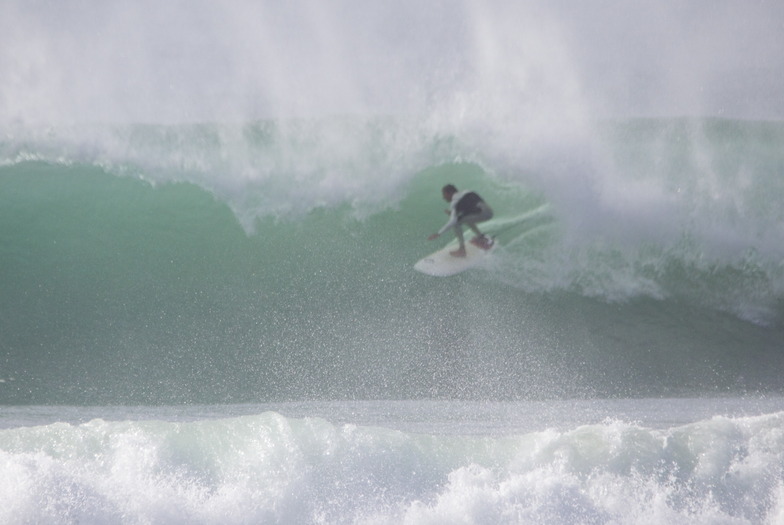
column 182, row 61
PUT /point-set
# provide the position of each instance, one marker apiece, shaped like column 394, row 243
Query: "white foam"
column 272, row 469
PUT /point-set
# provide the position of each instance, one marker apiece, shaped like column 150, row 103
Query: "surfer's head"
column 447, row 191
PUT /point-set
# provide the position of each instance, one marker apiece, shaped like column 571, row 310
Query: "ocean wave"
column 275, row 469
column 147, row 246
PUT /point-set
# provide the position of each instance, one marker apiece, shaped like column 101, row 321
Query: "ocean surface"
column 209, row 218
column 220, row 323
column 211, row 263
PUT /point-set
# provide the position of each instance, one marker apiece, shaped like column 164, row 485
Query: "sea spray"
column 209, row 210
column 276, row 469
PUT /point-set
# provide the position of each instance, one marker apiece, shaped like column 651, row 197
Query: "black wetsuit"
column 466, row 207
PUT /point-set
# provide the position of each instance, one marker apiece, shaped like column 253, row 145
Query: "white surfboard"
column 442, row 264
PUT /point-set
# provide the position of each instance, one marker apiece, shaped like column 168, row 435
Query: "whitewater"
column 208, row 225
column 430, row 462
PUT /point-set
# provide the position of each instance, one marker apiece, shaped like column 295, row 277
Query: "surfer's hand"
column 432, row 237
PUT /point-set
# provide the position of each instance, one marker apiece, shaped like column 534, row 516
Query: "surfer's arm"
column 450, row 223
column 452, row 211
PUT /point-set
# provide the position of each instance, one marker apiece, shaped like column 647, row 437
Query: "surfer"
column 465, row 207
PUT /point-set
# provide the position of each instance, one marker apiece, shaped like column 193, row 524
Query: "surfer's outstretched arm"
column 449, row 224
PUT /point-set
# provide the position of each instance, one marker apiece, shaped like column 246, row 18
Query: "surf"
column 209, row 219
column 235, row 464
column 180, row 278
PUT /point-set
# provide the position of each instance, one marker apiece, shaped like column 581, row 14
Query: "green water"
column 118, row 290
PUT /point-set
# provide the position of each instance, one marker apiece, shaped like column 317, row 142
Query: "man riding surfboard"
column 465, row 207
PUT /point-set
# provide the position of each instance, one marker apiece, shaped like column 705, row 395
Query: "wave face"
column 273, row 260
column 268, row 468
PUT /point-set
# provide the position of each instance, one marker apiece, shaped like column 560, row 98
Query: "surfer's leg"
column 481, row 240
column 459, row 234
column 460, row 252
column 485, row 214
column 473, row 227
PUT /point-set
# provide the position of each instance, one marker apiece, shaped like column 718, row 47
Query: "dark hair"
column 449, row 188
